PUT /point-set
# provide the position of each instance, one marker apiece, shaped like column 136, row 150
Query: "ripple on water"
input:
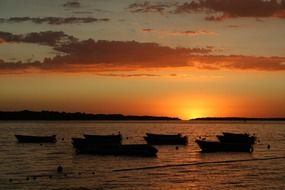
column 84, row 172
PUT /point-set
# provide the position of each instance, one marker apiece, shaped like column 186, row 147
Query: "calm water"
column 21, row 163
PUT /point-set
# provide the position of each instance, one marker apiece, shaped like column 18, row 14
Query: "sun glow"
column 196, row 113
column 192, row 112
column 197, row 106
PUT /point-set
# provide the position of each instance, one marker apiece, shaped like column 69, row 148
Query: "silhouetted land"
column 53, row 115
column 242, row 119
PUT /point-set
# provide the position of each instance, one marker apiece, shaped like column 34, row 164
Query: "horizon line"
column 206, row 118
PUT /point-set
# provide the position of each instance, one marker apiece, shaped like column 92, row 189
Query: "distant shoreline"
column 64, row 116
column 240, row 119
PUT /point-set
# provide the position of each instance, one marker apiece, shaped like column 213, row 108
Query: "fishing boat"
column 118, row 150
column 217, row 146
column 36, row 139
column 237, row 138
column 79, row 142
column 91, row 140
column 104, row 139
column 165, row 139
column 228, row 142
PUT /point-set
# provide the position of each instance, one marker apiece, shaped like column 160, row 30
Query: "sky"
column 177, row 58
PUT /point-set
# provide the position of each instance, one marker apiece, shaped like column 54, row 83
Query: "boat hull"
column 216, row 146
column 104, row 139
column 119, row 150
column 36, row 139
column 81, row 142
column 237, row 137
column 157, row 139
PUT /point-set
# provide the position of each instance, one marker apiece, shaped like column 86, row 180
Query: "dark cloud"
column 234, row 26
column 239, row 62
column 51, row 38
column 182, row 33
column 194, row 33
column 88, row 54
column 82, row 12
column 123, row 53
column 127, row 75
column 81, row 64
column 108, row 56
column 234, row 8
column 53, row 20
column 217, row 10
column 72, row 4
column 9, row 37
column 147, row 30
column 147, row 7
column 17, row 67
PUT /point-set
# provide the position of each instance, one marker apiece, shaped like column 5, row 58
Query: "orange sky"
column 182, row 59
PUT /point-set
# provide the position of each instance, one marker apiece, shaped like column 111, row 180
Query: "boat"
column 237, row 138
column 104, row 139
column 165, row 139
column 228, row 142
column 91, row 140
column 118, row 150
column 217, row 146
column 36, row 139
column 79, row 142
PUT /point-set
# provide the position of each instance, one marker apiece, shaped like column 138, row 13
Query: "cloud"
column 51, row 38
column 9, row 37
column 123, row 53
column 116, row 56
column 53, row 20
column 147, row 30
column 234, row 26
column 147, row 7
column 82, row 12
column 234, row 8
column 182, row 33
column 114, row 68
column 91, row 55
column 239, row 62
column 72, row 4
column 217, row 10
column 195, row 33
column 127, row 75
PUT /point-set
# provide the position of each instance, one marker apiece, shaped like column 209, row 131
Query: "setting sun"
column 195, row 113
column 138, row 58
column 106, row 83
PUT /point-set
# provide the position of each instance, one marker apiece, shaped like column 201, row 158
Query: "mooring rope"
column 197, row 163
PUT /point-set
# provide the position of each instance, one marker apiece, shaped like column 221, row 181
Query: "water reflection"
column 20, row 162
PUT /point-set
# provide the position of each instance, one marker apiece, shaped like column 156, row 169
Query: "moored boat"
column 36, row 139
column 104, row 139
column 165, row 139
column 237, row 138
column 111, row 145
column 217, row 146
column 79, row 142
column 119, row 150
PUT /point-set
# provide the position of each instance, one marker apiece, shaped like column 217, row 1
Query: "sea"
column 34, row 166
